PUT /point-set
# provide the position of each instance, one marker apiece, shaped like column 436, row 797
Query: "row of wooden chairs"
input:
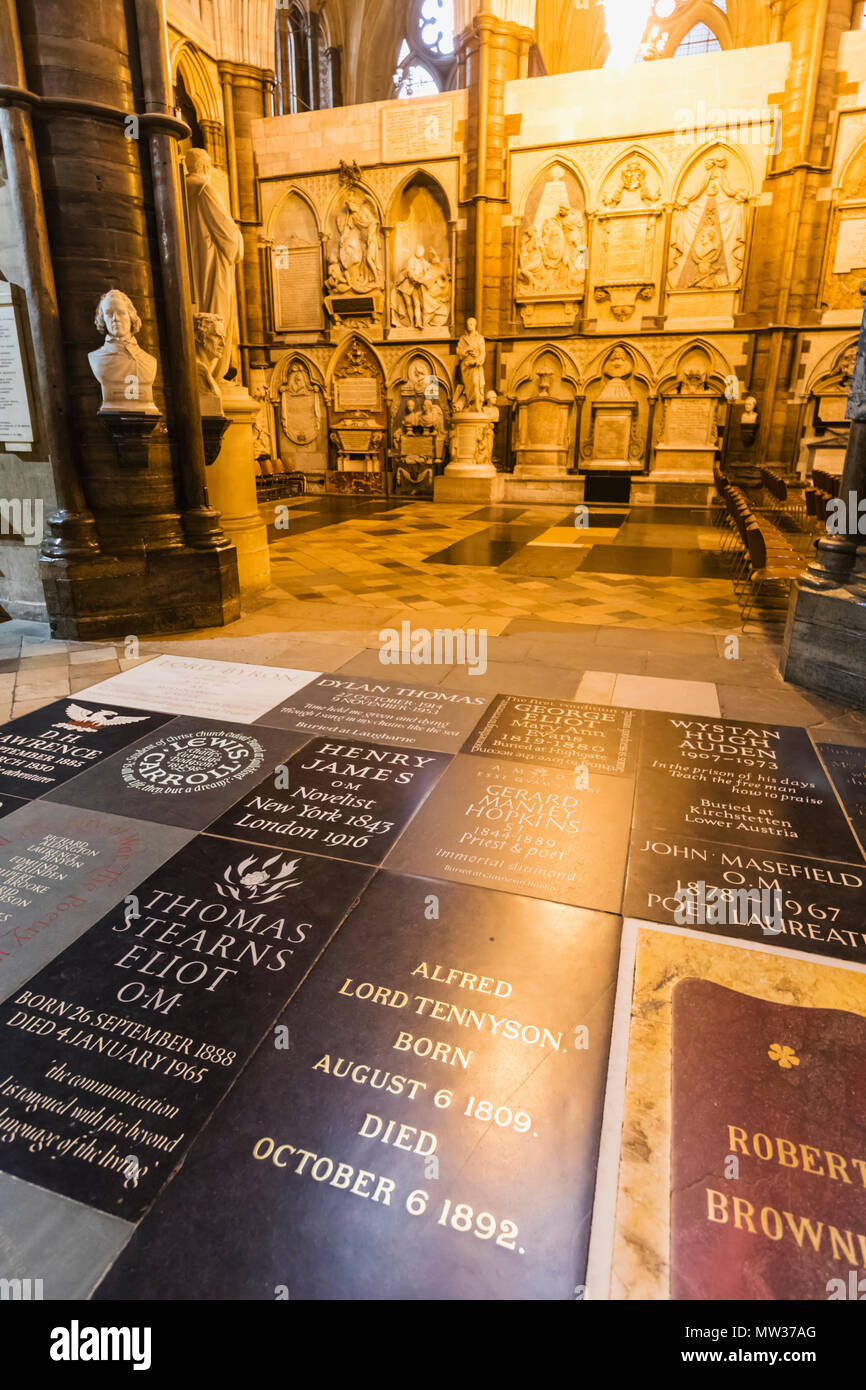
column 275, row 480
column 763, row 563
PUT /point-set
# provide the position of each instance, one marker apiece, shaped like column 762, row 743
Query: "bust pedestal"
column 470, row 476
column 232, row 488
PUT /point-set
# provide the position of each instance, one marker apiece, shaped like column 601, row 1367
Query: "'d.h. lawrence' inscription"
column 768, row 1165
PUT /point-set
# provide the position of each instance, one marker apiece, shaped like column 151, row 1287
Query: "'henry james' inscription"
column 746, row 784
column 768, row 1162
column 44, row 749
column 390, row 711
column 774, row 898
column 556, row 733
column 532, row 830
column 350, row 800
column 116, row 1052
column 423, row 1124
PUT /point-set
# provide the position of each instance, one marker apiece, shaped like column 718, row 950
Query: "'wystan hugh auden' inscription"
column 335, row 797
column 423, row 1124
column 115, row 1053
column 748, row 784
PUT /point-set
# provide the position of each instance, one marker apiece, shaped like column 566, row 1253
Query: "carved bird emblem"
column 92, row 721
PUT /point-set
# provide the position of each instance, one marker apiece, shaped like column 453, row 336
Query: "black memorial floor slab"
column 116, row 1053
column 335, row 797
column 425, row 1127
column 390, row 711
column 186, row 774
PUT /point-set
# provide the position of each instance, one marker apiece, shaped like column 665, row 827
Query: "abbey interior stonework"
column 432, row 646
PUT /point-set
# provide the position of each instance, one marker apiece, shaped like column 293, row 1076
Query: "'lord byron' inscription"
column 424, row 1125
column 115, row 1053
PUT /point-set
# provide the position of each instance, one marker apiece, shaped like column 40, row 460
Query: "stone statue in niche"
column 422, row 292
column 263, row 444
column 356, row 266
column 472, row 354
column 216, row 247
column 300, row 407
column 125, row 371
column 708, row 233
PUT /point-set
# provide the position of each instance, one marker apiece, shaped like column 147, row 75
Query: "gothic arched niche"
column 625, row 248
column 297, row 266
column 297, row 394
column 846, row 266
column 550, row 267
column 358, row 420
column 422, row 262
column 710, row 224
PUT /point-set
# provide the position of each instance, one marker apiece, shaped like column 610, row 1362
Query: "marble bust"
column 125, row 371
column 210, row 341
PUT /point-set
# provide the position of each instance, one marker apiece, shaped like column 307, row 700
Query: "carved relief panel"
column 847, row 265
column 422, row 260
column 355, row 253
column 296, row 393
column 550, row 272
column 709, row 227
column 420, row 418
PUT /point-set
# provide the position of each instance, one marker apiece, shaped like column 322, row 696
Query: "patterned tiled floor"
column 601, row 612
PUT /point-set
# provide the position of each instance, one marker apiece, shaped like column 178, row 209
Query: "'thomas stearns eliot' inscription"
column 768, row 1157
column 423, row 1122
column 115, row 1053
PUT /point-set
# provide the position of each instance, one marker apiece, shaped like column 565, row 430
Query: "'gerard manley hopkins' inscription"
column 768, row 1150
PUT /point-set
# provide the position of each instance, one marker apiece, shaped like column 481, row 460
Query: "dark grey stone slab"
column 533, row 830
column 738, row 783
column 381, row 711
column 56, row 1248
column 114, row 1055
column 185, row 774
column 61, row 868
column 847, row 769
column 807, row 904
column 354, row 1163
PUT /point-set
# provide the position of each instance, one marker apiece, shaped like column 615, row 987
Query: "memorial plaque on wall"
column 194, row 685
column 430, row 1128
column 534, row 830
column 47, row 747
column 115, row 1054
column 186, row 773
column 60, row 870
column 16, row 424
column 417, row 130
column 393, row 711
column 847, row 768
column 747, row 784
column 772, row 898
column 356, row 393
column 779, row 1088
column 348, row 800
column 556, row 733
column 298, row 281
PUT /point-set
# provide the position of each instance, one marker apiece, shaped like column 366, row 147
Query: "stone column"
column 825, row 640
column 245, row 99
column 232, row 479
column 103, row 211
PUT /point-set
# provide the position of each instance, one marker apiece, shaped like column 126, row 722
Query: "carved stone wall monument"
column 689, row 432
column 356, row 273
column 543, row 414
column 550, row 277
column 627, row 225
column 613, row 442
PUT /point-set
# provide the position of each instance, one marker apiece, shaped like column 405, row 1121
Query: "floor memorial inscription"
column 116, row 1052
column 423, row 1124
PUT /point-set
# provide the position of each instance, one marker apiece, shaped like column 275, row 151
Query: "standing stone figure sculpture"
column 472, row 354
column 216, row 247
column 125, row 371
